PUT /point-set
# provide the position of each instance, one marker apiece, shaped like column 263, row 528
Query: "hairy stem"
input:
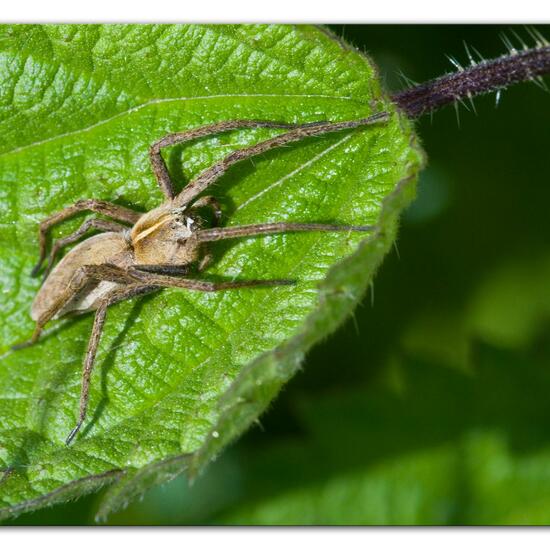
column 478, row 78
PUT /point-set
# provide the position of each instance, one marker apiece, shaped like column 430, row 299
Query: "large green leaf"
column 180, row 374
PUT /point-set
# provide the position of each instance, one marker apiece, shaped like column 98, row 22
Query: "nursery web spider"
column 143, row 252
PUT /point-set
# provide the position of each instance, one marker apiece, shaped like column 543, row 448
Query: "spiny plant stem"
column 479, row 78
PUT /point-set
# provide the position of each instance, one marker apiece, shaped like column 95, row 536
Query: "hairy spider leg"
column 114, row 211
column 159, row 166
column 166, row 281
column 144, row 282
column 210, row 175
column 115, row 296
column 219, row 233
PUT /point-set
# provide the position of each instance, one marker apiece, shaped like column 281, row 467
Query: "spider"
column 140, row 253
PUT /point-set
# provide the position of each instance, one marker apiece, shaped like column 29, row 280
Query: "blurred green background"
column 430, row 406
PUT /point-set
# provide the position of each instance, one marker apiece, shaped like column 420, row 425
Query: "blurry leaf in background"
column 512, row 307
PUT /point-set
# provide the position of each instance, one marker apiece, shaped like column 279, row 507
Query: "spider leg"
column 219, row 233
column 94, row 223
column 159, row 166
column 210, row 175
column 114, row 211
column 113, row 297
column 171, row 269
column 164, row 269
column 148, row 282
column 166, row 281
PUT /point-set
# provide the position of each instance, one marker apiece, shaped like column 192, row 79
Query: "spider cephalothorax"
column 165, row 236
column 143, row 252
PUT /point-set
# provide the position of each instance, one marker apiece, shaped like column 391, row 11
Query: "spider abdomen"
column 111, row 248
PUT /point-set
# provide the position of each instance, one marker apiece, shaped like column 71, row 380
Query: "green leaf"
column 441, row 447
column 179, row 374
